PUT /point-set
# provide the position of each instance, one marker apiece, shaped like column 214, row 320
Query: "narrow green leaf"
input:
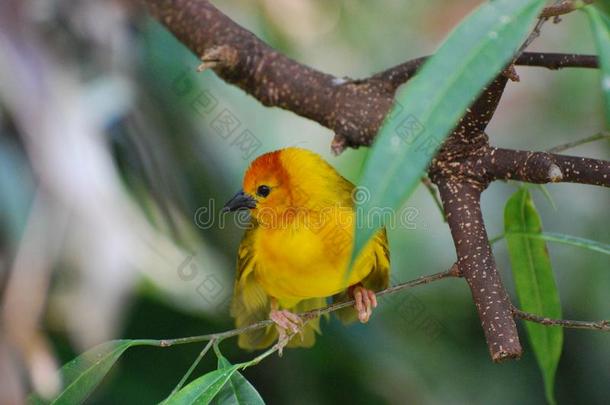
column 600, row 24
column 238, row 390
column 534, row 282
column 429, row 106
column 203, row 389
column 84, row 373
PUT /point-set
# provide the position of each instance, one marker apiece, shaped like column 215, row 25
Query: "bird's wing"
column 377, row 280
column 251, row 304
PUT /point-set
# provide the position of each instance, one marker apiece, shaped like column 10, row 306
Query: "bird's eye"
column 263, row 191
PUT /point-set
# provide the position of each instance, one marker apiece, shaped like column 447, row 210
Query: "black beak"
column 240, row 201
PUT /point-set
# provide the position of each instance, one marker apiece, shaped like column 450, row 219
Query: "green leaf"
column 600, row 24
column 203, row 389
column 534, row 282
column 84, row 373
column 237, row 391
column 430, row 105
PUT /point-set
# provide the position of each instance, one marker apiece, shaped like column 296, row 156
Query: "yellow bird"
column 297, row 250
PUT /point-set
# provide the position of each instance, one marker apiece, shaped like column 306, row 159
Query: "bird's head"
column 288, row 180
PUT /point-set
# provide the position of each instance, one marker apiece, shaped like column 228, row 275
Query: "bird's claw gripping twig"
column 287, row 323
column 365, row 301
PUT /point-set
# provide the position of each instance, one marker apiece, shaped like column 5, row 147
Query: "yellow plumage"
column 299, row 245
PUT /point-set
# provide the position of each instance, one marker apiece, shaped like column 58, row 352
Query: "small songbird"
column 298, row 247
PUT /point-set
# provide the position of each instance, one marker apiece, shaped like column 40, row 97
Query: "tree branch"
column 535, row 33
column 353, row 109
column 564, row 7
column 596, row 325
column 543, row 167
column 597, row 137
column 584, row 170
column 477, row 265
column 399, row 74
column 434, row 194
column 555, row 61
column 423, row 280
column 308, row 315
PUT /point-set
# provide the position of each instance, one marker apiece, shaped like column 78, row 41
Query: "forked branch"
column 354, row 110
column 544, row 167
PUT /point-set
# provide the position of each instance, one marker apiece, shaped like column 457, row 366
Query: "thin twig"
column 434, row 194
column 593, row 138
column 532, row 36
column 192, row 368
column 452, row 272
column 593, row 325
column 279, row 344
column 496, row 239
column 306, row 316
column 536, row 31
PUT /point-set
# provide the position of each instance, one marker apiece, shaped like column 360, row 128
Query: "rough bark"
column 543, row 167
column 477, row 265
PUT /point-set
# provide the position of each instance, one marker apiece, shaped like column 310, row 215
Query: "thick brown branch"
column 584, row 170
column 594, row 325
column 543, row 167
column 482, row 110
column 477, row 265
column 556, row 61
column 353, row 109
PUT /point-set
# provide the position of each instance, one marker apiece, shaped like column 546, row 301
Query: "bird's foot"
column 288, row 324
column 365, row 301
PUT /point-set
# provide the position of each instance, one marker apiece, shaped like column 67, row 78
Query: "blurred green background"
column 112, row 174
